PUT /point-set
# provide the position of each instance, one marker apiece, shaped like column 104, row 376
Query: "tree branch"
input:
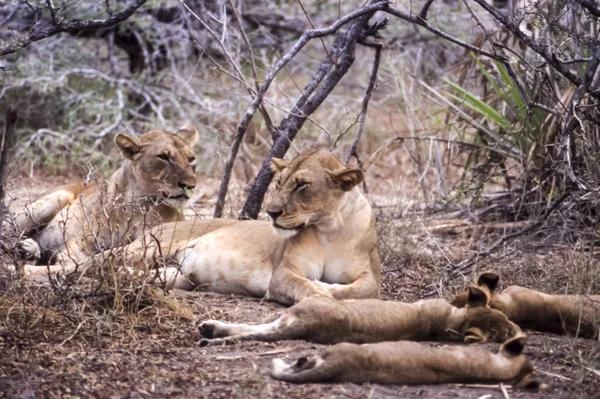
column 344, row 51
column 418, row 21
column 590, row 5
column 423, row 13
column 567, row 150
column 245, row 122
column 542, row 49
column 365, row 104
column 5, row 145
column 70, row 27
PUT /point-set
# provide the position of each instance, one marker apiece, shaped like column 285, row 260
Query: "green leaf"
column 478, row 105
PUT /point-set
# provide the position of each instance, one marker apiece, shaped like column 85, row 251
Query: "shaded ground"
column 149, row 356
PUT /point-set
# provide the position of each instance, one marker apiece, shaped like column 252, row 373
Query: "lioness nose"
column 274, row 214
column 187, row 186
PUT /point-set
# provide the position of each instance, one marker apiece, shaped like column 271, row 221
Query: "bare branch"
column 245, row 122
column 5, row 145
column 567, row 150
column 542, row 49
column 424, row 10
column 418, row 21
column 344, row 51
column 52, row 11
column 365, row 104
column 590, row 5
column 70, row 27
column 262, row 109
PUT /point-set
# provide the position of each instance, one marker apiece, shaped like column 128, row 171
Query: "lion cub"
column 531, row 309
column 327, row 321
column 411, row 363
column 73, row 222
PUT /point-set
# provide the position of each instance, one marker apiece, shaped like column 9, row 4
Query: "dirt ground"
column 142, row 356
column 90, row 342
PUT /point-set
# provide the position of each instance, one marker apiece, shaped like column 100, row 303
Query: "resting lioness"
column 327, row 321
column 73, row 222
column 322, row 240
column 576, row 314
column 411, row 363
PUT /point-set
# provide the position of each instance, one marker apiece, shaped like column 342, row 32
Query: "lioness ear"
column 514, row 346
column 128, row 145
column 348, row 178
column 489, row 279
column 278, row 164
column 189, row 133
column 477, row 297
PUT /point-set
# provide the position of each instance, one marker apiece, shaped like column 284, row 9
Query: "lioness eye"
column 164, row 157
column 192, row 159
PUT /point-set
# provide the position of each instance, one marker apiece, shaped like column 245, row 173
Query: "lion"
column 412, row 363
column 321, row 240
column 328, row 321
column 534, row 310
column 71, row 223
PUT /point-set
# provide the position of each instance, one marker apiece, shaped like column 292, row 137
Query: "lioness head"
column 309, row 189
column 483, row 324
column 162, row 163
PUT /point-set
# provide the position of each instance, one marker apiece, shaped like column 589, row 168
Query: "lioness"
column 327, row 321
column 411, row 363
column 576, row 314
column 73, row 222
column 322, row 240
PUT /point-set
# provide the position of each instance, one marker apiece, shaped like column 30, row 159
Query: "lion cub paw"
column 213, row 329
column 29, row 249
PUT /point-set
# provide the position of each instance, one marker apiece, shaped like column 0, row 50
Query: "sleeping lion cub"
column 321, row 241
column 327, row 321
column 73, row 222
column 411, row 363
column 531, row 309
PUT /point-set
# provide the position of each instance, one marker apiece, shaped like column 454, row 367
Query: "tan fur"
column 328, row 321
column 322, row 240
column 531, row 309
column 411, row 363
column 71, row 223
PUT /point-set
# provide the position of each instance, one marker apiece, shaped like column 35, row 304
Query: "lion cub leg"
column 316, row 368
column 218, row 332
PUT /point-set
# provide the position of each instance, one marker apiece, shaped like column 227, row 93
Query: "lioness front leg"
column 70, row 260
column 288, row 287
column 366, row 286
column 29, row 249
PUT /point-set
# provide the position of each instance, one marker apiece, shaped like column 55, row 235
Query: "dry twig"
column 70, row 27
column 5, row 144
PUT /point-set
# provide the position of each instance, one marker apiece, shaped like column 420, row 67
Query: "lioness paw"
column 29, row 249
